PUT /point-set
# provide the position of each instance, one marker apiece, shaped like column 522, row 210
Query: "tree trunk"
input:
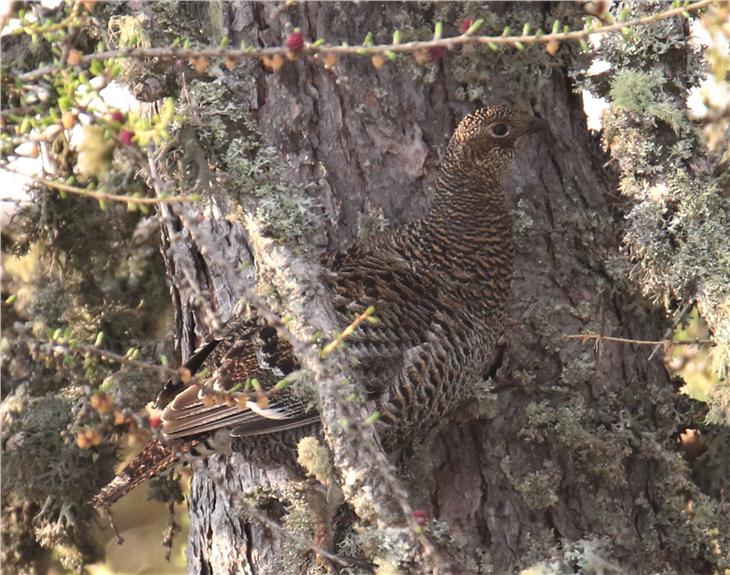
column 571, row 447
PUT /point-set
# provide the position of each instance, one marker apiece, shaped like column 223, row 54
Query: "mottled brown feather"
column 439, row 287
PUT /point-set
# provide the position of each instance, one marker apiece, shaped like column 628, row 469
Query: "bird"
column 439, row 286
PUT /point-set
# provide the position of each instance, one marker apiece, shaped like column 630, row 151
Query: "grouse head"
column 484, row 142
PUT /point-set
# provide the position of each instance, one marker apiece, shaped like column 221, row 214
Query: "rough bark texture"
column 567, row 444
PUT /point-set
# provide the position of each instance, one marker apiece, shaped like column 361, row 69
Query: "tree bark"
column 570, row 447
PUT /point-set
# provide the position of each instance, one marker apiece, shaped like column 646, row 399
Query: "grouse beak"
column 537, row 125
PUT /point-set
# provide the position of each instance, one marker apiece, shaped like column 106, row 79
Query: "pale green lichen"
column 294, row 557
column 43, row 466
column 540, row 569
column 643, row 93
column 251, row 170
column 128, row 32
column 680, row 235
column 372, row 223
column 536, row 488
column 315, row 458
column 597, row 455
column 579, row 370
column 40, row 461
column 541, row 544
column 388, row 547
column 349, row 546
column 212, row 110
column 699, row 520
column 522, row 221
column 483, row 401
column 584, row 557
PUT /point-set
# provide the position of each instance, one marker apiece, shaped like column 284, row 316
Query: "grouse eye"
column 499, row 130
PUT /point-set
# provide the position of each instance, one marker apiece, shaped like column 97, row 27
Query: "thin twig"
column 100, row 196
column 23, row 110
column 407, row 47
column 15, row 200
column 103, row 354
column 46, row 28
column 347, row 332
column 661, row 342
column 680, row 317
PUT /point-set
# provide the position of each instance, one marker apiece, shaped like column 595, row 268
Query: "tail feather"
column 152, row 460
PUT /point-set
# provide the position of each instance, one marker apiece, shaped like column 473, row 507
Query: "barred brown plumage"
column 438, row 284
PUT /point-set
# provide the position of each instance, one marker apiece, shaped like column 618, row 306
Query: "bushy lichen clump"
column 90, row 268
column 252, row 170
column 592, row 455
column 678, row 222
column 316, row 459
column 537, row 488
column 645, row 94
column 585, row 556
column 302, row 521
column 44, row 469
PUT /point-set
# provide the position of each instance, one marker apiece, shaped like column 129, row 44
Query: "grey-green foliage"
column 299, row 520
column 678, row 224
column 585, row 556
column 253, row 170
column 42, row 467
column 38, row 459
column 643, row 93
